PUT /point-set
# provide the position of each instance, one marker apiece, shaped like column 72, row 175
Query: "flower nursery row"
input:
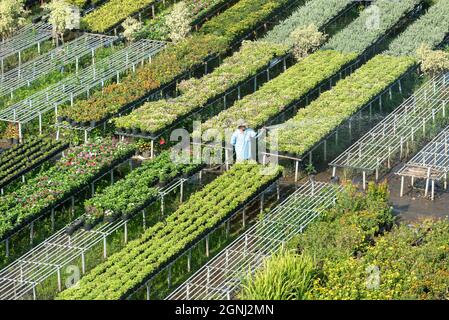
column 176, row 60
column 277, row 94
column 129, row 268
column 113, row 12
column 27, row 156
column 316, row 12
column 199, row 11
column 333, row 107
column 80, row 165
column 371, row 25
column 132, row 193
column 154, row 117
column 431, row 29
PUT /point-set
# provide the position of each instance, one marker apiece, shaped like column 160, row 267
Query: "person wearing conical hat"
column 241, row 139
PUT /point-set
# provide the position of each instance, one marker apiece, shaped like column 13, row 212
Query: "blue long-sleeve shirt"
column 242, row 143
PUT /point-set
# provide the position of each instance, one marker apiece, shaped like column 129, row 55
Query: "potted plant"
column 74, row 226
column 311, row 172
column 110, row 216
column 89, row 222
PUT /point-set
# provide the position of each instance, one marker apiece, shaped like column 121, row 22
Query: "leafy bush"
column 284, row 276
column 306, row 40
column 12, row 16
column 131, row 28
column 433, row 62
column 178, row 22
column 73, row 171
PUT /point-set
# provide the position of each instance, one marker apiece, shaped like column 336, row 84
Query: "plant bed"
column 79, row 167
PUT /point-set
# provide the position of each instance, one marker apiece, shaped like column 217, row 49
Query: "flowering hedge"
column 358, row 254
column 153, row 117
column 215, row 37
column 316, row 12
column 130, row 267
column 341, row 232
column 75, row 170
column 431, row 29
column 277, row 94
column 333, row 107
column 372, row 23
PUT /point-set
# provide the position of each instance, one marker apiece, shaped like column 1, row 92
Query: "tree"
column 131, row 28
column 433, row 62
column 306, row 40
column 60, row 15
column 12, row 16
column 178, row 22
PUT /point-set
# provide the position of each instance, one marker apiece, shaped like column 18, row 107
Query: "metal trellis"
column 221, row 277
column 53, row 60
column 394, row 134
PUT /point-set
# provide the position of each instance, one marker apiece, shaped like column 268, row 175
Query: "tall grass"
column 284, row 276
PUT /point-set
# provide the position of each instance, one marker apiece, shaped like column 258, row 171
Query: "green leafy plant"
column 284, row 276
column 12, row 16
column 433, row 62
column 306, row 40
column 178, row 22
column 131, row 28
